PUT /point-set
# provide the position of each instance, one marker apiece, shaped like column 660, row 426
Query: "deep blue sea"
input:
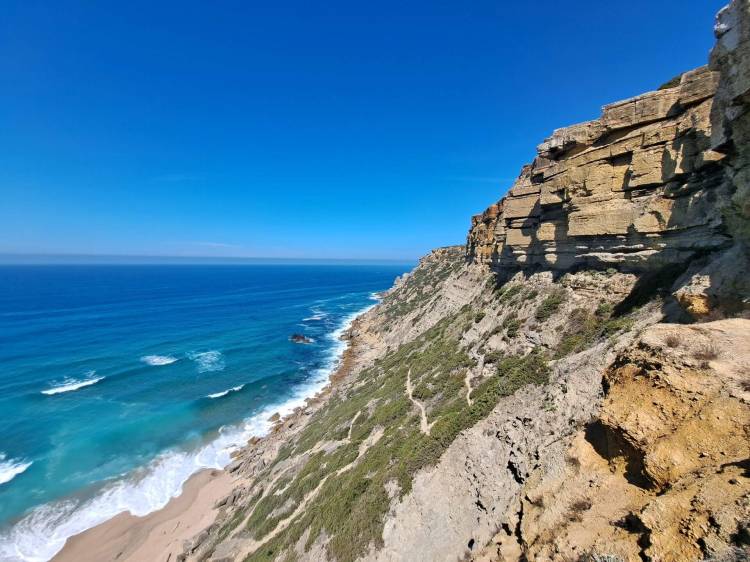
column 117, row 382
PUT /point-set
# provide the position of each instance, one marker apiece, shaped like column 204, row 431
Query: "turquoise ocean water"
column 118, row 382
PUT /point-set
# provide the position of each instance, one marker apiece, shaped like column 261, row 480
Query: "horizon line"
column 19, row 258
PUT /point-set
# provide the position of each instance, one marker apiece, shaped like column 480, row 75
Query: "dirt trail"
column 467, row 379
column 351, row 425
column 254, row 545
column 423, row 425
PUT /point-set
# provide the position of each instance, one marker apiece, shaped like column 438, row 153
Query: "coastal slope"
column 572, row 384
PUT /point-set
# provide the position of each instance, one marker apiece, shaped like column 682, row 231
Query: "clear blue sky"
column 296, row 128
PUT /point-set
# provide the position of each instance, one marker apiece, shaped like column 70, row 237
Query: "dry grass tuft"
column 706, row 352
column 673, row 340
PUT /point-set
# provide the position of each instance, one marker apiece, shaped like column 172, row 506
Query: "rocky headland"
column 573, row 384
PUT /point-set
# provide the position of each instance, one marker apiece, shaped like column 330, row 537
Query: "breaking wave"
column 11, row 468
column 317, row 315
column 207, row 361
column 225, row 392
column 158, row 360
column 69, row 385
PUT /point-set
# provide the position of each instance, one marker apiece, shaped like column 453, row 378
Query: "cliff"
column 571, row 385
column 640, row 187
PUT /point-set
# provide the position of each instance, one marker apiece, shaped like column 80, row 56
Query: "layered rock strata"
column 640, row 187
column 730, row 116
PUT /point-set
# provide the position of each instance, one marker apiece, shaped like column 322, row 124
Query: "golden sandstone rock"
column 640, row 187
column 696, row 305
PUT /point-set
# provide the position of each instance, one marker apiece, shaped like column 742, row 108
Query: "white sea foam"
column 68, row 385
column 316, row 316
column 225, row 392
column 158, row 360
column 207, row 361
column 11, row 468
column 42, row 533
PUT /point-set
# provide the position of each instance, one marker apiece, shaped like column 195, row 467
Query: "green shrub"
column 584, row 329
column 511, row 325
column 493, row 356
column 516, row 371
column 619, row 324
column 507, row 293
column 671, row 83
column 512, row 330
column 550, row 305
column 478, row 317
column 604, row 309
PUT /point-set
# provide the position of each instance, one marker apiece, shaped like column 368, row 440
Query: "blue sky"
column 301, row 129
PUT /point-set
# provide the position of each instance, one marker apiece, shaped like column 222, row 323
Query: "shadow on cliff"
column 690, row 223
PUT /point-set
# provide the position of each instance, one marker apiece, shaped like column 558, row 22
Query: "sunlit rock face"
column 641, row 187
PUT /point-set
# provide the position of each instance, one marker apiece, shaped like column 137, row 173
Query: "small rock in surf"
column 299, row 338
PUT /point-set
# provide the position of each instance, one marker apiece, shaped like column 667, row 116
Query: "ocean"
column 117, row 382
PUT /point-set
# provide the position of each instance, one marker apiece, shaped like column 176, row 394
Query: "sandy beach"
column 157, row 536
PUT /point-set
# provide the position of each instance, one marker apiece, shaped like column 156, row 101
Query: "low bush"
column 511, row 324
column 604, row 310
column 550, row 305
column 584, row 328
column 494, row 356
column 706, row 352
column 507, row 293
column 673, row 340
column 512, row 328
column 516, row 371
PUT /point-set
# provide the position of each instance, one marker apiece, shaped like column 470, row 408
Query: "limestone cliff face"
column 640, row 187
column 730, row 116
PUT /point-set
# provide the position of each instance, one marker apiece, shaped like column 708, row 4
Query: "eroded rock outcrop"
column 662, row 473
column 640, row 187
column 730, row 117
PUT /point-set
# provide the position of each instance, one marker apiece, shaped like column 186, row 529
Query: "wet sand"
column 159, row 536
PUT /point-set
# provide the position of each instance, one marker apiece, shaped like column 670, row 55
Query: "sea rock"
column 299, row 338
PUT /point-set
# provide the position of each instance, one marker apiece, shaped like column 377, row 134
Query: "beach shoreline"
column 168, row 532
column 160, row 535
